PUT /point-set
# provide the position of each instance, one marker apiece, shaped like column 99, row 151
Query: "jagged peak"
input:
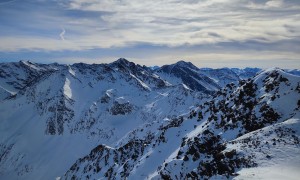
column 128, row 66
column 122, row 61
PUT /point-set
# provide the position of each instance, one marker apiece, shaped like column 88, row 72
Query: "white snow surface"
column 284, row 161
column 67, row 88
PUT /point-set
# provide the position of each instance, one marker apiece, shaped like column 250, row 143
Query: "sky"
column 208, row 33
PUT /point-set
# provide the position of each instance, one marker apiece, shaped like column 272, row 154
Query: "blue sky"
column 208, row 33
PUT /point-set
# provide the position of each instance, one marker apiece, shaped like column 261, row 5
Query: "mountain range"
column 126, row 121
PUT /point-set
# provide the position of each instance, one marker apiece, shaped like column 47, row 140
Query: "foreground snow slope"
column 278, row 153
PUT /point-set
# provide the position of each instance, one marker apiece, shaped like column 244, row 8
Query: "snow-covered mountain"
column 123, row 120
column 189, row 75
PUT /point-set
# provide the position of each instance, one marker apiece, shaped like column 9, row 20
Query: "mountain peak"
column 123, row 64
column 122, row 61
column 182, row 63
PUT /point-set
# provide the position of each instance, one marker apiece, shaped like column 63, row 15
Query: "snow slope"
column 277, row 154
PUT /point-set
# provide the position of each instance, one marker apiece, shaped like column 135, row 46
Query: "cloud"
column 221, row 25
column 175, row 23
column 275, row 3
column 61, row 35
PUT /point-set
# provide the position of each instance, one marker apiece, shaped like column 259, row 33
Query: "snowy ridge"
column 122, row 120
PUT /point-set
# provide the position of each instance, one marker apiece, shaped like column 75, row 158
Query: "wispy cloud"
column 62, row 34
column 7, row 2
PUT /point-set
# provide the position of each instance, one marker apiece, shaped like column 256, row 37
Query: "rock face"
column 122, row 120
column 121, row 108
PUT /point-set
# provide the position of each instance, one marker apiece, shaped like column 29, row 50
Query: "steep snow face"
column 67, row 89
column 59, row 112
column 243, row 126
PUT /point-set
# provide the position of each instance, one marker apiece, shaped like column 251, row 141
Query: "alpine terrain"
column 126, row 121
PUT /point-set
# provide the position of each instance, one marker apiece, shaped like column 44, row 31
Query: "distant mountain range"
column 126, row 121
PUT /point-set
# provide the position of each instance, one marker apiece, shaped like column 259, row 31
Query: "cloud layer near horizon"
column 226, row 27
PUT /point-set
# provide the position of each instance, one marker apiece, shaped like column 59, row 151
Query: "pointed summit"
column 124, row 65
column 185, row 64
column 122, row 61
column 179, row 65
